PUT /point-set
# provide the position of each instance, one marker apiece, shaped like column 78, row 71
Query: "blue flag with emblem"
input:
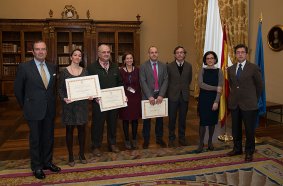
column 259, row 60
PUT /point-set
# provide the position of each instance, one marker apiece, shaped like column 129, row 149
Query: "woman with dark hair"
column 74, row 113
column 130, row 78
column 210, row 81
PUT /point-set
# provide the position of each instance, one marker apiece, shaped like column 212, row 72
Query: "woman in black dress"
column 74, row 113
column 210, row 82
column 130, row 78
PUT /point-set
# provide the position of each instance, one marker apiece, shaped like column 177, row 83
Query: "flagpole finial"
column 260, row 18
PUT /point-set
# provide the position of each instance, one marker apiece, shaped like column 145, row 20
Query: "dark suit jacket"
column 245, row 91
column 179, row 83
column 147, row 79
column 31, row 93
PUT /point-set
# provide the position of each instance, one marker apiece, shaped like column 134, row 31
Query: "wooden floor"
column 14, row 132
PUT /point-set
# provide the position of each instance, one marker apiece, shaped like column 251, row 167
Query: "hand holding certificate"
column 154, row 111
column 81, row 88
column 112, row 98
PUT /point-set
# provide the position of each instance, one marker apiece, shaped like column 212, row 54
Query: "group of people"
column 153, row 81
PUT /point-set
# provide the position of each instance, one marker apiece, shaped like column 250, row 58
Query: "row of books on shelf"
column 9, row 47
column 63, row 60
column 9, row 71
column 15, row 60
column 73, row 47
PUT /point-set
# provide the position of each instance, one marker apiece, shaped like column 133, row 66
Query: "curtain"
column 200, row 13
column 234, row 14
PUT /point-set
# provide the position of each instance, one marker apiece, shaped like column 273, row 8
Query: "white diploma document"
column 81, row 88
column 112, row 98
column 154, row 111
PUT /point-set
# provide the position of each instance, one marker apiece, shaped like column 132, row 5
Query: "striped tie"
column 43, row 75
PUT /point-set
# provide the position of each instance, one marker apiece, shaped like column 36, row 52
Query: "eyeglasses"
column 208, row 58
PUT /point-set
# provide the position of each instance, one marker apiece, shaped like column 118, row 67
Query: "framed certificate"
column 154, row 111
column 81, row 88
column 112, row 98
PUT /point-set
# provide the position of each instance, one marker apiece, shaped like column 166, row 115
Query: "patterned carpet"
column 179, row 166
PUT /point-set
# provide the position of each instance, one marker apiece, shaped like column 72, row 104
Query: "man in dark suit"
column 154, row 82
column 34, row 90
column 179, row 80
column 245, row 83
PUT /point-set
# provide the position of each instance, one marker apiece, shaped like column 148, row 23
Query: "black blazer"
column 31, row 93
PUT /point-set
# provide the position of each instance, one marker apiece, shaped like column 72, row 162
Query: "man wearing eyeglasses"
column 179, row 80
column 34, row 89
column 245, row 83
column 109, row 77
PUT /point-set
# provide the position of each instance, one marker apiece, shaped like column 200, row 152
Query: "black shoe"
column 172, row 144
column 161, row 143
column 145, row 145
column 52, row 168
column 234, row 153
column 249, row 157
column 39, row 174
column 183, row 142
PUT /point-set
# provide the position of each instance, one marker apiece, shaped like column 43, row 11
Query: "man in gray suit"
column 34, row 89
column 179, row 80
column 154, row 82
column 245, row 83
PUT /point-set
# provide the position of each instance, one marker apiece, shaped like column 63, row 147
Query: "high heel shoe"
column 210, row 147
column 71, row 162
column 199, row 149
column 128, row 145
column 82, row 159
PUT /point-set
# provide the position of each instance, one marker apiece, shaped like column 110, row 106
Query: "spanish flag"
column 223, row 110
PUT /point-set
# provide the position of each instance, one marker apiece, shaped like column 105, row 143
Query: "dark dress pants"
column 249, row 119
column 158, row 129
column 98, row 120
column 180, row 106
column 41, row 140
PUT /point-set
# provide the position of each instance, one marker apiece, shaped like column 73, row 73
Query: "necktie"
column 239, row 71
column 105, row 66
column 43, row 75
column 155, row 77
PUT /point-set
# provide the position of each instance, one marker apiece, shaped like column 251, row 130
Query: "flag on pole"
column 259, row 60
column 223, row 110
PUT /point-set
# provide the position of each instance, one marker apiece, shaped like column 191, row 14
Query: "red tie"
column 155, row 77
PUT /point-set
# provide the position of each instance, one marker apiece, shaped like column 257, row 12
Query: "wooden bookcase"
column 121, row 36
column 16, row 39
column 62, row 36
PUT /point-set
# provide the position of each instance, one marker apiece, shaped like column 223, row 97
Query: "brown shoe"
column 114, row 148
column 96, row 152
column 234, row 153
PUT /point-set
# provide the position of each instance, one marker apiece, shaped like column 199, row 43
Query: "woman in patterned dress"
column 74, row 113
